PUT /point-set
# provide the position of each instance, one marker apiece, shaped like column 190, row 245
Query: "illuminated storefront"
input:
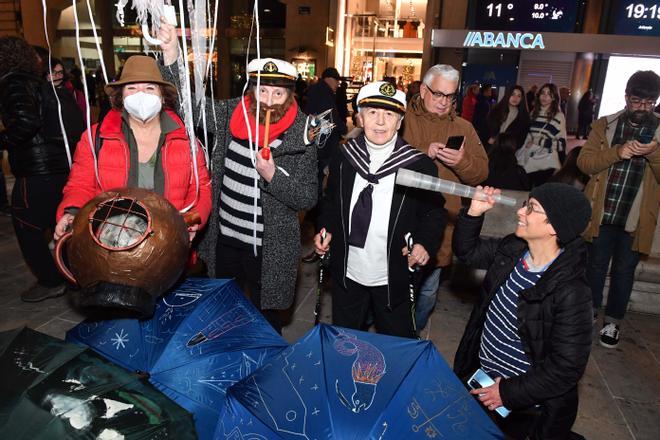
column 381, row 39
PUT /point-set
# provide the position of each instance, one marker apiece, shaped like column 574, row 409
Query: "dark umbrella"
column 345, row 384
column 50, row 389
column 204, row 336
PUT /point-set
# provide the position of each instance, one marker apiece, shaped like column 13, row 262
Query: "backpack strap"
column 98, row 143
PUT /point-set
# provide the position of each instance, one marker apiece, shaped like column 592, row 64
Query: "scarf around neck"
column 357, row 154
column 239, row 129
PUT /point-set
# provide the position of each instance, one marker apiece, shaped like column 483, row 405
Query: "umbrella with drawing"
column 204, row 336
column 51, row 389
column 347, row 384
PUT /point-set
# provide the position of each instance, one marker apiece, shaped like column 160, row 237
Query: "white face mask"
column 143, row 106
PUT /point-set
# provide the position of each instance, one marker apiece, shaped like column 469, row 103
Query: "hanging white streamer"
column 88, row 116
column 57, row 98
column 254, row 146
column 98, row 47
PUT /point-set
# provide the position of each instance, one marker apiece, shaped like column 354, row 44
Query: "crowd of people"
column 388, row 244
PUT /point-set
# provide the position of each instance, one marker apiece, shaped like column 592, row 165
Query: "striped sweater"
column 550, row 134
column 501, row 353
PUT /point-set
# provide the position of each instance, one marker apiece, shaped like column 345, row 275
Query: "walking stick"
column 317, row 307
column 411, row 280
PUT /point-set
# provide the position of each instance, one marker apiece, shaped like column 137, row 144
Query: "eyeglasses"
column 58, row 73
column 437, row 96
column 638, row 102
column 529, row 208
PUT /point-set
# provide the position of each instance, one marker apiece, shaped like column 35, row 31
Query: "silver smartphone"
column 481, row 379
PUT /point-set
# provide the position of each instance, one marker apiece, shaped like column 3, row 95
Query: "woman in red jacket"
column 142, row 143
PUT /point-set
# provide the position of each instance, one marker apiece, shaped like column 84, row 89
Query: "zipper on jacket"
column 343, row 226
column 389, row 249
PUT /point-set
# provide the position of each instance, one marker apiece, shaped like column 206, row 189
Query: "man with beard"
column 367, row 218
column 621, row 156
column 253, row 234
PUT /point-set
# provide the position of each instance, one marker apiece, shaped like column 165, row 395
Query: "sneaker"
column 609, row 335
column 38, row 293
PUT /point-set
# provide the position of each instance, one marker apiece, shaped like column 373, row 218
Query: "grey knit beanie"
column 567, row 208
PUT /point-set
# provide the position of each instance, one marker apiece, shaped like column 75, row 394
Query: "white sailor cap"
column 273, row 72
column 382, row 94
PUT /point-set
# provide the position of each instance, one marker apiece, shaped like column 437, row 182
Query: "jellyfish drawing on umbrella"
column 368, row 368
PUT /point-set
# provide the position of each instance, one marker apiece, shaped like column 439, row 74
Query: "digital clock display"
column 525, row 15
column 640, row 17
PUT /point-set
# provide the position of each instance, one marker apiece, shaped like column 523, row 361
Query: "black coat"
column 518, row 128
column 554, row 323
column 32, row 133
column 416, row 211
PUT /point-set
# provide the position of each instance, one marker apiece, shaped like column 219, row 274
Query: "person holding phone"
column 621, row 155
column 530, row 332
column 432, row 126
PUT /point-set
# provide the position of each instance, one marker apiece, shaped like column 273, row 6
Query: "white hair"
column 444, row 70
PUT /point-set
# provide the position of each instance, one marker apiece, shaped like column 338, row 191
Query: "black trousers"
column 351, row 305
column 241, row 264
column 34, row 204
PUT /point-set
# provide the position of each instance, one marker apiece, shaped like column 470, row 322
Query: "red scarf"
column 238, row 127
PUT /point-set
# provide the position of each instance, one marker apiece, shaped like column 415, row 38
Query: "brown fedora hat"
column 140, row 69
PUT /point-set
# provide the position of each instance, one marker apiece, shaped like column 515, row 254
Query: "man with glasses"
column 621, row 156
column 531, row 330
column 430, row 120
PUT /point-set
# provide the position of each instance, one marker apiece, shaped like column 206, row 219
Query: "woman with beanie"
column 531, row 330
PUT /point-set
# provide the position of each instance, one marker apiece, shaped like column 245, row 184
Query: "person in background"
column 413, row 89
column 38, row 158
column 531, row 97
column 509, row 116
column 367, row 217
column 470, row 101
column 254, row 232
column 548, row 130
column 430, row 120
column 531, row 328
column 321, row 97
column 622, row 157
column 569, row 172
column 585, row 114
column 69, row 100
column 503, row 169
column 342, row 101
column 300, row 90
column 481, row 111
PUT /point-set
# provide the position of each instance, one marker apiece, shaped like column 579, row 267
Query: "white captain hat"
column 272, row 72
column 382, row 94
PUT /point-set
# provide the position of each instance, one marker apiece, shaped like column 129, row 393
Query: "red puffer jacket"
column 114, row 163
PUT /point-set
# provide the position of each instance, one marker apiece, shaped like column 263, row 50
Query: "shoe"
column 311, row 258
column 38, row 293
column 609, row 335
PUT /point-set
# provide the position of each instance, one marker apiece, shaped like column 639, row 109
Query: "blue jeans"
column 426, row 299
column 613, row 243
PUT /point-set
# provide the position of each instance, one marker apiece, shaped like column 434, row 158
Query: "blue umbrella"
column 344, row 384
column 204, row 336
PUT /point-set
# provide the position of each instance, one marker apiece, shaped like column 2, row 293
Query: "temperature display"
column 525, row 15
column 637, row 17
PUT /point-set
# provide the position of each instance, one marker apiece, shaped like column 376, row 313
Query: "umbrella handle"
column 59, row 261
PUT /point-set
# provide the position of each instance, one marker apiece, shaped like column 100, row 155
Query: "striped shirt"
column 550, row 134
column 501, row 353
column 237, row 197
